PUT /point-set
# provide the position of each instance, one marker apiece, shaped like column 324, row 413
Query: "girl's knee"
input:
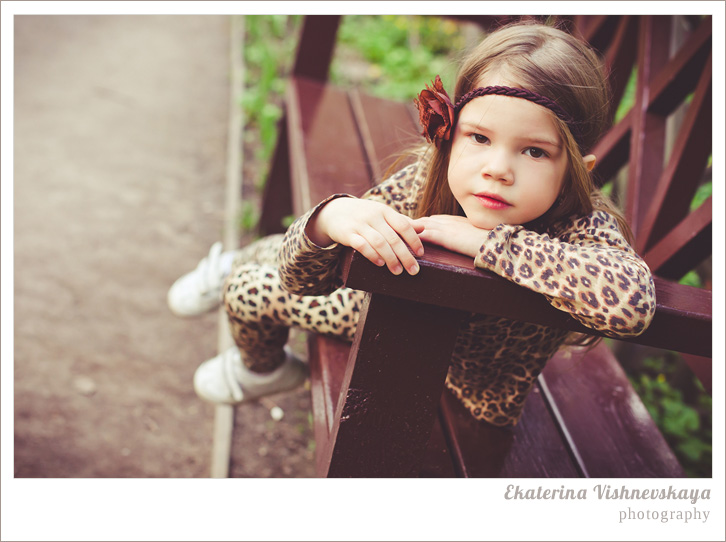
column 252, row 292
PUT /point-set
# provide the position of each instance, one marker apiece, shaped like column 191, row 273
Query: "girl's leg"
column 200, row 290
column 263, row 251
column 261, row 313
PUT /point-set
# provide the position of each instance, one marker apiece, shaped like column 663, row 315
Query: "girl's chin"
column 484, row 222
column 485, row 225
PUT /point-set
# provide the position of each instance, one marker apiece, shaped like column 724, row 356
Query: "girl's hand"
column 455, row 233
column 375, row 230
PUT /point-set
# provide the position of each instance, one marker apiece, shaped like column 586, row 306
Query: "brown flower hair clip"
column 436, row 112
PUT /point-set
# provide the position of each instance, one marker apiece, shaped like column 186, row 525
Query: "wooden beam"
column 592, row 396
column 447, row 279
column 316, row 47
column 613, row 150
column 685, row 246
column 680, row 75
column 647, row 145
column 619, row 57
column 671, row 198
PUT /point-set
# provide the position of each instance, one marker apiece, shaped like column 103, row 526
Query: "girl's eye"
column 535, row 152
column 478, row 138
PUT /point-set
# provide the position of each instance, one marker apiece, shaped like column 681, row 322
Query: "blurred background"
column 121, row 126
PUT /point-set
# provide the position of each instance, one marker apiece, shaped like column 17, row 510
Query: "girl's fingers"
column 392, row 249
column 400, row 239
column 360, row 244
column 404, row 228
column 382, row 244
column 373, row 247
column 379, row 233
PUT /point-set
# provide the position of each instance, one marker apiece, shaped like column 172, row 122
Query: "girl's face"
column 507, row 161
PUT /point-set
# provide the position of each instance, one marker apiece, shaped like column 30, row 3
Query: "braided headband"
column 437, row 113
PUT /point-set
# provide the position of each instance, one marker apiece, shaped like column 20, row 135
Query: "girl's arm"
column 589, row 271
column 376, row 225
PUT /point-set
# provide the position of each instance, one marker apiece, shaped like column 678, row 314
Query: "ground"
column 120, row 150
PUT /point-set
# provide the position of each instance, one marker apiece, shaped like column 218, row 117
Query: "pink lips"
column 492, row 202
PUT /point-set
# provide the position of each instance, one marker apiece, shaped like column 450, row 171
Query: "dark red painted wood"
column 647, row 145
column 682, row 321
column 605, row 418
column 597, row 30
column 313, row 58
column 325, row 151
column 534, row 448
column 619, row 58
column 437, row 461
column 391, row 388
column 316, row 46
column 613, row 150
column 277, row 199
column 327, row 360
column 702, row 368
column 386, row 129
column 681, row 74
column 685, row 246
column 671, row 199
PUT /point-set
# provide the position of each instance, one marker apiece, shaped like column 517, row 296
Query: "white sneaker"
column 225, row 379
column 200, row 291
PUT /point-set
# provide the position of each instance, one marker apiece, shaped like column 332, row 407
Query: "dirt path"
column 120, row 156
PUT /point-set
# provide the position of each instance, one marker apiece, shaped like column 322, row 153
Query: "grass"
column 395, row 55
column 680, row 407
column 269, row 50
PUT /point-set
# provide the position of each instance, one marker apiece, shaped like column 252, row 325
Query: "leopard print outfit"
column 582, row 266
column 261, row 312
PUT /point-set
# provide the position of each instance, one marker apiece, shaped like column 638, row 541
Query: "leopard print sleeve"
column 401, row 191
column 589, row 270
column 308, row 269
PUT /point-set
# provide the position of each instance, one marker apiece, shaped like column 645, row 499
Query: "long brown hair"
column 557, row 65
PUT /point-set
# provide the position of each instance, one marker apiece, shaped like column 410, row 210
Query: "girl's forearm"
column 307, row 268
column 604, row 287
column 316, row 228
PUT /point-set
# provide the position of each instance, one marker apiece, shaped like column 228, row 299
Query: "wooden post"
column 648, row 130
column 392, row 388
column 316, row 46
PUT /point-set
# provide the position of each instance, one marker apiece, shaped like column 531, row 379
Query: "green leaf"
column 691, row 278
column 693, row 449
column 702, row 194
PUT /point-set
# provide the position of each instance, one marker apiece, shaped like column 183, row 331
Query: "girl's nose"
column 497, row 166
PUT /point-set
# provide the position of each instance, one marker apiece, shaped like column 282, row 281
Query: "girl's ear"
column 589, row 161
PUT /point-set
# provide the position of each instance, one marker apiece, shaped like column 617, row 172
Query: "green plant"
column 393, row 56
column 628, row 99
column 702, row 194
column 249, row 216
column 683, row 416
column 692, row 278
column 269, row 48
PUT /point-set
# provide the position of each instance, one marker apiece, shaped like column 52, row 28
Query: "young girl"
column 504, row 179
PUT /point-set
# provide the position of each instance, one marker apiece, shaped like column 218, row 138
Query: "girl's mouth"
column 491, row 201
